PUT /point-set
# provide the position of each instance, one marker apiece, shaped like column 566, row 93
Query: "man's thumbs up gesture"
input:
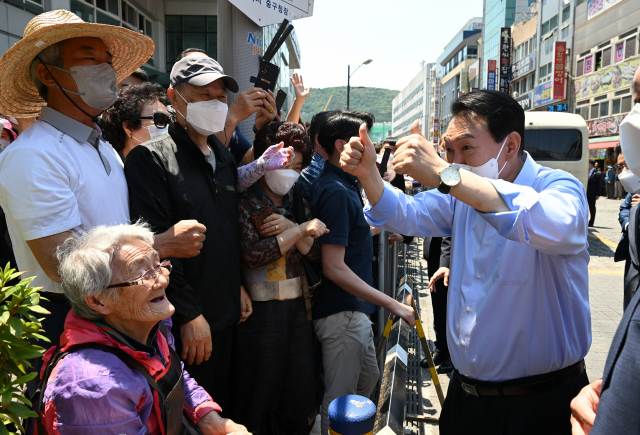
column 417, row 158
column 358, row 157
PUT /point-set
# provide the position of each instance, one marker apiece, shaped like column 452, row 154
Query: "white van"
column 558, row 141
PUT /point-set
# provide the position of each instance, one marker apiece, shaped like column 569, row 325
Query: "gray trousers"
column 619, row 191
column 348, row 357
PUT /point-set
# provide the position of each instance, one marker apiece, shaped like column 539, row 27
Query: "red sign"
column 436, row 132
column 491, row 75
column 559, row 68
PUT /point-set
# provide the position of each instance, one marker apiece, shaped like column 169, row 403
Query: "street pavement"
column 605, row 298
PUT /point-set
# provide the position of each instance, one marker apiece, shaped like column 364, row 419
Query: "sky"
column 396, row 34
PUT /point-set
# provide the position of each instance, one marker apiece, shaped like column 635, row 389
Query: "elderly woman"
column 274, row 350
column 8, row 135
column 115, row 370
column 138, row 115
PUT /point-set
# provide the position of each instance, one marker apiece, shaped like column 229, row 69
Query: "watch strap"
column 443, row 188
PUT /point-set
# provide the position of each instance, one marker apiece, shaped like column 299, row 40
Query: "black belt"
column 59, row 298
column 523, row 386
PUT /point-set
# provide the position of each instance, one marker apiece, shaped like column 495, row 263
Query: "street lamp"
column 366, row 62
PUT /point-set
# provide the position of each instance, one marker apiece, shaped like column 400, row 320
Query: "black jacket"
column 595, row 183
column 170, row 180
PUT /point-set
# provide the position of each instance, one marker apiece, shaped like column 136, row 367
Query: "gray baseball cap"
column 200, row 71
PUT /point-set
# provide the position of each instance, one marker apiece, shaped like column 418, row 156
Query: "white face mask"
column 489, row 169
column 630, row 181
column 97, row 84
column 630, row 140
column 154, row 132
column 281, row 181
column 3, row 144
column 206, row 117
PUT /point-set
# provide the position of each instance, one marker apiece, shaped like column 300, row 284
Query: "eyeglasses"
column 148, row 278
column 160, row 120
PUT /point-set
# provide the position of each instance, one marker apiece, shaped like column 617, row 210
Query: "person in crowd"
column 619, row 192
column 116, row 282
column 190, row 173
column 137, row 77
column 302, row 94
column 346, row 298
column 594, row 188
column 79, row 182
column 610, row 181
column 518, row 229
column 6, row 249
column 138, row 115
column 7, row 135
column 311, row 173
column 608, row 405
column 274, row 353
column 245, row 104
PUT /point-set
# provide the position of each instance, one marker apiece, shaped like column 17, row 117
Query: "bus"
column 558, row 141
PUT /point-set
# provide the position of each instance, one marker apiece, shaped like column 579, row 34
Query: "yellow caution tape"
column 387, row 329
column 434, row 375
column 419, row 328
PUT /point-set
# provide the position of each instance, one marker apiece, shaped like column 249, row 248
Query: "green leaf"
column 9, row 292
column 3, row 430
column 38, row 309
column 24, row 379
column 15, row 326
column 4, row 317
column 8, row 338
column 23, row 400
column 28, row 352
column 20, row 410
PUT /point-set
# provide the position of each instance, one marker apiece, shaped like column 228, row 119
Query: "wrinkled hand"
column 443, row 272
column 298, row 87
column 196, row 341
column 183, row 240
column 404, row 311
column 359, row 156
column 375, row 231
column 213, row 424
column 263, row 116
column 246, row 306
column 635, row 199
column 246, row 104
column 584, row 408
column 314, row 228
column 416, row 157
column 269, row 229
column 393, row 238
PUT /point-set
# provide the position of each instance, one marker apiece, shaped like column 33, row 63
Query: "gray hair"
column 85, row 262
column 51, row 55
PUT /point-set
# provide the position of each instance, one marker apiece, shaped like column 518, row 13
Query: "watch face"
column 450, row 176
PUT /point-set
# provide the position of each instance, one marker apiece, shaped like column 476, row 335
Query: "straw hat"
column 19, row 96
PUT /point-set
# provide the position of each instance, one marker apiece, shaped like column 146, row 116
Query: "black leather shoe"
column 445, row 367
column 439, row 357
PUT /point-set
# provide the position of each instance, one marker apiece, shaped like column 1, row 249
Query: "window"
column 595, row 111
column 580, row 68
column 113, row 12
column 581, row 111
column 630, row 48
column 615, row 106
column 566, row 13
column 556, row 144
column 472, row 50
column 193, row 31
column 625, row 104
column 550, row 25
column 606, row 57
column 545, row 72
column 604, row 109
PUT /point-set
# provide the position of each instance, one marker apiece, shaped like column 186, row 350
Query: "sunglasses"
column 160, row 120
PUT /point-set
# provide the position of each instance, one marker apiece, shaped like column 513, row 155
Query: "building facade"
column 453, row 64
column 604, row 61
column 523, row 63
column 216, row 26
column 497, row 14
column 412, row 103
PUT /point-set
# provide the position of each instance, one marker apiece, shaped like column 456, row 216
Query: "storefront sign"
column 619, row 52
column 543, row 95
column 606, row 80
column 559, row 60
column 526, row 101
column 436, row 113
column 596, row 7
column 605, row 126
column 267, row 12
column 255, row 39
column 558, row 108
column 505, row 59
column 524, row 66
column 464, row 80
column 588, row 64
column 491, row 75
column 436, row 133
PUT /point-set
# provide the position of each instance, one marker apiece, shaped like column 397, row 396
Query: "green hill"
column 374, row 100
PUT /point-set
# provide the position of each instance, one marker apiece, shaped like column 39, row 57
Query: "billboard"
column 267, row 12
column 606, row 80
column 505, row 59
column 596, row 7
column 526, row 101
column 524, row 66
column 464, row 80
column 543, row 94
column 491, row 75
column 559, row 63
column 605, row 126
column 436, row 113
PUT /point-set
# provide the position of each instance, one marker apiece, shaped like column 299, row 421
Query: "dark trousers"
column 592, row 209
column 439, row 298
column 610, row 189
column 212, row 375
column 545, row 413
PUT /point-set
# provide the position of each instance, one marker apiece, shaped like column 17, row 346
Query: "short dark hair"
column 498, row 110
column 343, row 124
column 292, row 134
column 141, row 74
column 389, row 142
column 617, row 150
column 183, row 54
column 317, row 121
column 377, row 146
column 127, row 108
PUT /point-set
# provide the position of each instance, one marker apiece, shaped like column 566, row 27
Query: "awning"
column 598, row 143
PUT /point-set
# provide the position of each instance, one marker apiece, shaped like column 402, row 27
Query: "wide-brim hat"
column 18, row 94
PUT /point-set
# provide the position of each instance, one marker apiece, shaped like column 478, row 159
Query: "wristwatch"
column 449, row 177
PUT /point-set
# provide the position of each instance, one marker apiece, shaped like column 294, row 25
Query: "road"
column 605, row 298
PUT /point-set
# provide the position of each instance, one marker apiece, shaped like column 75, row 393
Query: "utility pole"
column 348, row 84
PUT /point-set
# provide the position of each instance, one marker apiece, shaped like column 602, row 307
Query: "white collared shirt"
column 52, row 180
